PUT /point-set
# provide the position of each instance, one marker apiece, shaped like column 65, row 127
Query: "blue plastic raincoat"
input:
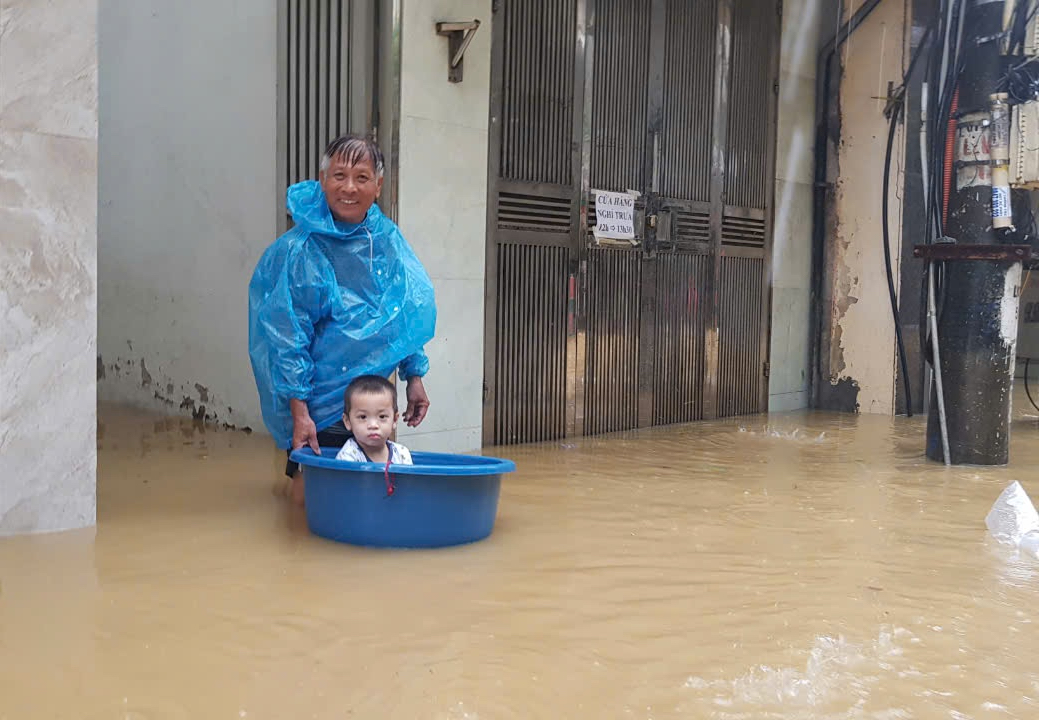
column 330, row 301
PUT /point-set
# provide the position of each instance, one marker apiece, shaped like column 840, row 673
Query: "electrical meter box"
column 1024, row 146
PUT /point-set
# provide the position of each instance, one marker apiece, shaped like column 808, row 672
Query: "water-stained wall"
column 188, row 200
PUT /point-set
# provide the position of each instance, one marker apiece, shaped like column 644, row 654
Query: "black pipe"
column 976, row 362
column 977, row 325
column 823, row 75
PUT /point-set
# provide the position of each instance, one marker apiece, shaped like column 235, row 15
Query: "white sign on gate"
column 614, row 215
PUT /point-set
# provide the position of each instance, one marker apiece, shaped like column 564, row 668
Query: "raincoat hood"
column 330, row 301
column 310, row 212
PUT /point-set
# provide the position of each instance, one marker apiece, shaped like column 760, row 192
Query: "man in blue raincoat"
column 339, row 295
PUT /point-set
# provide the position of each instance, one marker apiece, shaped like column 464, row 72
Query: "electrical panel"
column 1024, row 146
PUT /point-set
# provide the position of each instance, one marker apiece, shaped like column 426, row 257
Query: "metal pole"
column 977, row 313
column 936, row 349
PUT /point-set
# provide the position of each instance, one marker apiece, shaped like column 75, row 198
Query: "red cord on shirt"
column 389, row 479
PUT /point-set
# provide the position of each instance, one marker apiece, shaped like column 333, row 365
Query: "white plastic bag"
column 1013, row 519
column 1030, row 544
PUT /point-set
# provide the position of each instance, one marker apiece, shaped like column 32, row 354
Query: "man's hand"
column 304, row 432
column 418, row 402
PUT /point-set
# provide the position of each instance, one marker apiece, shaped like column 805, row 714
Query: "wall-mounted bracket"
column 459, row 35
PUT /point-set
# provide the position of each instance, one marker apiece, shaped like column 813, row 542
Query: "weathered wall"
column 443, row 209
column 48, row 270
column 792, row 242
column 859, row 361
column 188, row 199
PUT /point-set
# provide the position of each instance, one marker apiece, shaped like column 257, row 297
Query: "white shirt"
column 399, row 455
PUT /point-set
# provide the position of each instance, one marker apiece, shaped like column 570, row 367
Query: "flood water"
column 798, row 566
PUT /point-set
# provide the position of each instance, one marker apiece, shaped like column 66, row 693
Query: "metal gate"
column 326, row 80
column 672, row 99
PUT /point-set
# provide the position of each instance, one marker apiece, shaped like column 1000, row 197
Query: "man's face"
column 350, row 189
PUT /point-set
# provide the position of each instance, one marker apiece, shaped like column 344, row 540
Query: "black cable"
column 1021, row 82
column 938, row 101
column 947, row 87
column 933, row 99
column 1024, row 207
column 899, row 104
column 903, row 363
column 1030, row 17
column 939, row 116
column 936, row 136
column 930, row 217
column 1027, row 391
column 1019, row 27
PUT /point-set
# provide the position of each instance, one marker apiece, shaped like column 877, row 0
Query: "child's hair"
column 372, row 384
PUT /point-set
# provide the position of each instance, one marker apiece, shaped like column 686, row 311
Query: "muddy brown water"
column 797, row 566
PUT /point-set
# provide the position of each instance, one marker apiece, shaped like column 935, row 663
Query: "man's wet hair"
column 370, row 384
column 353, row 149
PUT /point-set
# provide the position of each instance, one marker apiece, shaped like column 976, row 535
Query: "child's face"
column 371, row 419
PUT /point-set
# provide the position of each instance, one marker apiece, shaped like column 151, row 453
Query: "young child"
column 370, row 404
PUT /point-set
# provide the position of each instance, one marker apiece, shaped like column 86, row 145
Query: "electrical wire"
column 898, row 101
column 1019, row 25
column 1031, row 16
column 942, row 82
column 1028, row 391
column 903, row 363
column 937, row 125
column 1030, row 226
column 1021, row 82
column 942, row 76
column 943, row 72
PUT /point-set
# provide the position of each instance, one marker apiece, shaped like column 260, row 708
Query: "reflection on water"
column 799, row 566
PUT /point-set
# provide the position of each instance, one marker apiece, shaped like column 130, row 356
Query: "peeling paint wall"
column 859, row 360
column 187, row 200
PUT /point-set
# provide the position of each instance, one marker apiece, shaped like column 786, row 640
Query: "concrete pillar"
column 442, row 208
column 48, row 264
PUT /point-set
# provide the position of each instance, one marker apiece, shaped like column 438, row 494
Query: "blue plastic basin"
column 440, row 500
